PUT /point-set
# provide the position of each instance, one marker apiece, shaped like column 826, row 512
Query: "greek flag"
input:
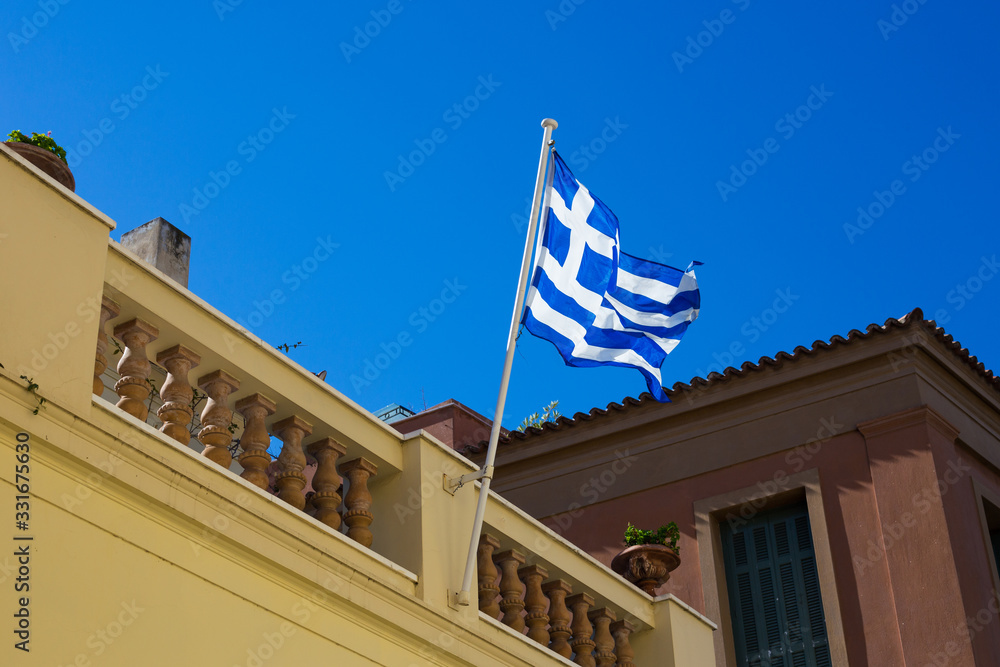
column 596, row 304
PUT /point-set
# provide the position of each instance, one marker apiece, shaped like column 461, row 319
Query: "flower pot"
column 648, row 566
column 45, row 160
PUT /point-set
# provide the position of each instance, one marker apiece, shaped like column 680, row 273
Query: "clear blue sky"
column 309, row 114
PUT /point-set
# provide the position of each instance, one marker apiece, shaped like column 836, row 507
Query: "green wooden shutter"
column 774, row 596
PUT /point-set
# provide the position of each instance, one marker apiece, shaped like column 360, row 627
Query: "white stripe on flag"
column 575, row 332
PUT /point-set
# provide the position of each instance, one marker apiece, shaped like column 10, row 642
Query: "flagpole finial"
column 549, row 122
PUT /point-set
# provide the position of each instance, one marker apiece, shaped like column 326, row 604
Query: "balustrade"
column 559, row 616
column 133, row 387
column 326, row 482
column 176, row 411
column 489, row 592
column 290, row 481
column 535, row 602
column 592, row 637
column 583, row 645
column 255, row 459
column 621, row 630
column 109, row 310
column 604, row 642
column 358, row 500
column 511, row 588
column 216, row 417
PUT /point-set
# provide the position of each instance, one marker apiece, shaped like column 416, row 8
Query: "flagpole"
column 486, row 474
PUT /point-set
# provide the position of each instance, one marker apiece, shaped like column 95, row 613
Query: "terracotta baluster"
column 109, row 309
column 559, row 616
column 603, row 641
column 216, row 417
column 623, row 649
column 176, row 392
column 583, row 645
column 134, row 366
column 535, row 602
column 511, row 588
column 358, row 501
column 326, row 482
column 290, row 481
column 488, row 589
column 255, row 440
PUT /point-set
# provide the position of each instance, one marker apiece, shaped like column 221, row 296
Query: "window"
column 992, row 514
column 995, row 539
column 774, row 595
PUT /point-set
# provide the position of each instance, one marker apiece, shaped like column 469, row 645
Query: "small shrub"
column 41, row 140
column 666, row 535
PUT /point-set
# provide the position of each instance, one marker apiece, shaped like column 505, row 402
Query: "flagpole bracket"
column 453, row 484
column 459, row 599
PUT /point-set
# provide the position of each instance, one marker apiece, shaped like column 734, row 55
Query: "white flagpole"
column 486, row 474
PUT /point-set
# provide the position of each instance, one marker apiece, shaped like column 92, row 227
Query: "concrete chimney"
column 163, row 246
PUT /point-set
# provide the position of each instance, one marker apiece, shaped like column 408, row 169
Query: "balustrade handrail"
column 562, row 597
column 194, row 344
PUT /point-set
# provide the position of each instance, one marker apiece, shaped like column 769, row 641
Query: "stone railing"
column 554, row 612
column 205, row 398
column 535, row 582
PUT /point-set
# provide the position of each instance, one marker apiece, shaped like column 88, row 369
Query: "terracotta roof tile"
column 916, row 316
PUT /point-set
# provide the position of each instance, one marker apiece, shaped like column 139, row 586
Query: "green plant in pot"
column 42, row 151
column 649, row 556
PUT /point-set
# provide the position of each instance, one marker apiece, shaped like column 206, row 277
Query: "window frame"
column 984, row 495
column 709, row 512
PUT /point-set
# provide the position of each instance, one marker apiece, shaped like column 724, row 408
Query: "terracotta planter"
column 45, row 160
column 648, row 566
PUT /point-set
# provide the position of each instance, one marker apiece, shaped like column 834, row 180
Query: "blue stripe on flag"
column 598, row 305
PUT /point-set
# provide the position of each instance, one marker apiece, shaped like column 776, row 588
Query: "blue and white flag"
column 596, row 304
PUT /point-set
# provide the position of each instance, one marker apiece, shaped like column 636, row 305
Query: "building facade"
column 838, row 505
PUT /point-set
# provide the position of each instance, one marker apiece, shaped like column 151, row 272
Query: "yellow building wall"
column 127, row 569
